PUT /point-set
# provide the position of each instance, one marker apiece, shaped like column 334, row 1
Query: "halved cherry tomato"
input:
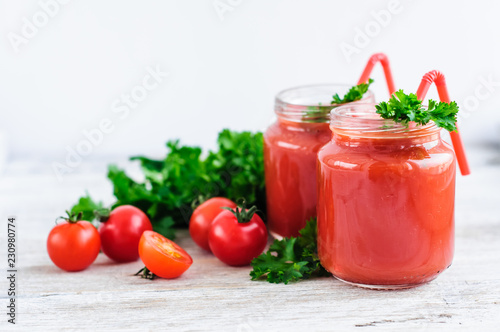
column 162, row 256
column 121, row 232
column 73, row 245
column 203, row 216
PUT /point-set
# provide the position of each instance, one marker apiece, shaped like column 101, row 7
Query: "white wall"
column 222, row 73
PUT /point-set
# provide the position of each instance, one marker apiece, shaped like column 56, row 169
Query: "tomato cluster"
column 124, row 235
column 235, row 235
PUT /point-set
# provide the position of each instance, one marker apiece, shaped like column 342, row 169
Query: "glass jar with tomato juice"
column 386, row 197
column 290, row 148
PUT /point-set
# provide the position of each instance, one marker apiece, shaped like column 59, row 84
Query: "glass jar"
column 290, row 148
column 386, row 196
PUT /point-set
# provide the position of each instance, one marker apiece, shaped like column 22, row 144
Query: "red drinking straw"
column 438, row 78
column 384, row 61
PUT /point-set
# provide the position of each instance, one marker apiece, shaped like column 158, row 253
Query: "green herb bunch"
column 171, row 184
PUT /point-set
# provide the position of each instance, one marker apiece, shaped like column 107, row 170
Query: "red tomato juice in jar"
column 290, row 155
column 386, row 198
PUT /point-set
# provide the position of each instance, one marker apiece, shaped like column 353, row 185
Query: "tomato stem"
column 102, row 214
column 198, row 201
column 146, row 274
column 242, row 214
column 72, row 218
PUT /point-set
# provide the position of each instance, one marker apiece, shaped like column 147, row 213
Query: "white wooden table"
column 212, row 296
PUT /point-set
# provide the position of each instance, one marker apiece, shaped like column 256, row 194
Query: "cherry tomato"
column 73, row 245
column 121, row 232
column 162, row 256
column 202, row 218
column 236, row 237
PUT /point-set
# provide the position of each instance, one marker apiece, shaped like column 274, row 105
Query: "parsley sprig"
column 290, row 259
column 87, row 207
column 403, row 108
column 320, row 112
column 355, row 93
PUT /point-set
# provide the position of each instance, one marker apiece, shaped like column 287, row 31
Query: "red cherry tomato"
column 202, row 218
column 162, row 256
column 73, row 245
column 121, row 232
column 237, row 237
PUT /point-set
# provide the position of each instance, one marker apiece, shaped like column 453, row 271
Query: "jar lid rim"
column 282, row 98
column 312, row 103
column 362, row 119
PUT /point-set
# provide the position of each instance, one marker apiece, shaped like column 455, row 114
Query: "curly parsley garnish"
column 290, row 259
column 403, row 108
column 355, row 93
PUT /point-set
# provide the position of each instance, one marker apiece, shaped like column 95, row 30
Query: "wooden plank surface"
column 213, row 296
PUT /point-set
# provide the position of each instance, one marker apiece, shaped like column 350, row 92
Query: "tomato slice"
column 162, row 256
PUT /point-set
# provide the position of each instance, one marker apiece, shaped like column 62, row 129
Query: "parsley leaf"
column 354, row 93
column 290, row 259
column 237, row 168
column 317, row 114
column 403, row 108
column 321, row 113
column 86, row 206
column 444, row 114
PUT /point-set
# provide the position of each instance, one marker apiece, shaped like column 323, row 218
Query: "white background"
column 224, row 68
